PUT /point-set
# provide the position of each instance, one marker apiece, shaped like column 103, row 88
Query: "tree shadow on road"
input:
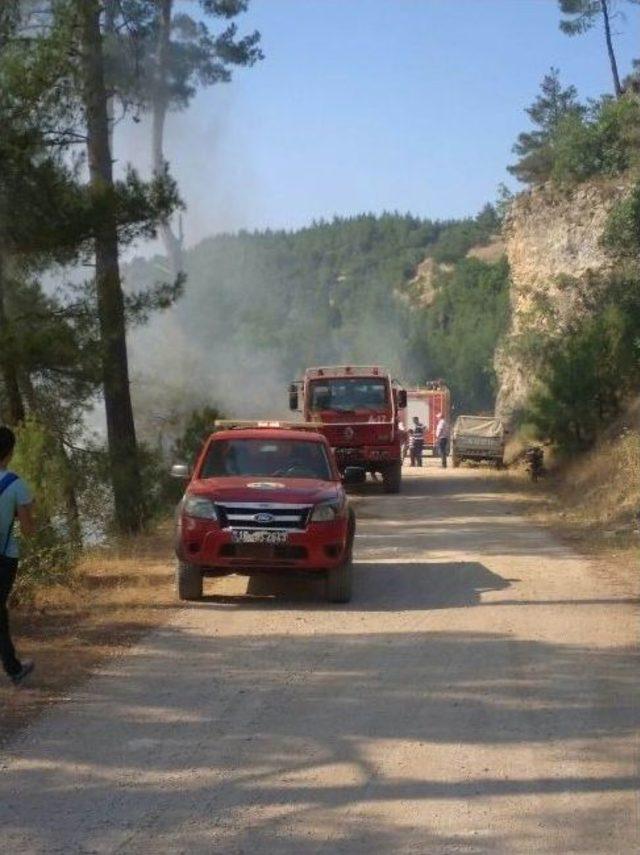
column 377, row 587
column 225, row 741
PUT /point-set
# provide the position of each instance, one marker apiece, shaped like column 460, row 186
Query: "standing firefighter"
column 15, row 502
column 416, row 442
column 442, row 438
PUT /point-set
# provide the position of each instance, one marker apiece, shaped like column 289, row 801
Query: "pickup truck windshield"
column 277, row 458
column 348, row 394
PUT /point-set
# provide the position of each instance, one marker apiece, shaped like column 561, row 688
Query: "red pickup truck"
column 264, row 497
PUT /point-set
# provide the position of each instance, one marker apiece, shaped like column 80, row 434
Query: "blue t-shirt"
column 16, row 494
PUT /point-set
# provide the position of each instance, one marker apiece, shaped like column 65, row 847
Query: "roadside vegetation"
column 70, row 70
column 584, row 403
column 587, row 367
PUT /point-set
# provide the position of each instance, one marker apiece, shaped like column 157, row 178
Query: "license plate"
column 242, row 535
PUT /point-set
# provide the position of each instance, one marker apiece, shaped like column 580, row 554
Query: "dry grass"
column 604, row 487
column 593, row 502
column 117, row 594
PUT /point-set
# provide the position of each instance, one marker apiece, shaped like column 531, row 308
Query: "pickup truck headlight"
column 199, row 507
column 327, row 512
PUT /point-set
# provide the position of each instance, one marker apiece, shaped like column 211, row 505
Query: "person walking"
column 442, row 438
column 416, row 442
column 15, row 503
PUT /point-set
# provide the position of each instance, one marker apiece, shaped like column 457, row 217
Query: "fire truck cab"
column 358, row 409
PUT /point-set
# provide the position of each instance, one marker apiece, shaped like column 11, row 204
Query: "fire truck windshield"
column 266, row 457
column 348, row 394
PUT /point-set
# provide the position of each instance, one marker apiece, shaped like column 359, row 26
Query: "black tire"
column 339, row 581
column 392, row 478
column 499, row 464
column 189, row 582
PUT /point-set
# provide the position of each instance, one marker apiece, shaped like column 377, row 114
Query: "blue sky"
column 371, row 105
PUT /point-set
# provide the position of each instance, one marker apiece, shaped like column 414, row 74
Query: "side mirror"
column 402, row 399
column 293, row 397
column 181, row 471
column 353, row 475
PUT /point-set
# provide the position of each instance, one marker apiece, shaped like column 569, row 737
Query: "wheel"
column 455, row 461
column 189, row 582
column 499, row 464
column 339, row 579
column 392, row 478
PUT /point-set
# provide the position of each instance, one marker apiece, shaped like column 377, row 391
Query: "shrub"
column 197, row 428
column 601, row 143
column 587, row 373
column 49, row 555
column 161, row 491
column 622, row 233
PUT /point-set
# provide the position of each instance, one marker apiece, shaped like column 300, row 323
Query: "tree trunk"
column 15, row 407
column 74, row 525
column 110, row 12
column 612, row 57
column 127, row 488
column 173, row 245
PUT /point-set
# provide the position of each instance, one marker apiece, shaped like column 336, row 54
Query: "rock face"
column 553, row 243
column 421, row 290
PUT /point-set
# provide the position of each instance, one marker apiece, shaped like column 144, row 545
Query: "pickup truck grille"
column 271, row 516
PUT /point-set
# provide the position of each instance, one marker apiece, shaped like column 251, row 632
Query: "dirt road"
column 479, row 695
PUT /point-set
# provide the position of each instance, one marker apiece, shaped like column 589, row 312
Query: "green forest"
column 340, row 292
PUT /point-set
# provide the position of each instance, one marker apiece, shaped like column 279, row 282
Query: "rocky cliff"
column 553, row 243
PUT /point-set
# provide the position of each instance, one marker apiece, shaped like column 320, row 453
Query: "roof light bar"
column 345, row 371
column 266, row 424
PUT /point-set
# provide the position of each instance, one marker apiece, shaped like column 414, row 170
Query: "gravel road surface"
column 480, row 694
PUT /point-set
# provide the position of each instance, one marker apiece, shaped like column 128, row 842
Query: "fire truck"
column 359, row 409
column 426, row 402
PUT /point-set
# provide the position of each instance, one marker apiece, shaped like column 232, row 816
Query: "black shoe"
column 27, row 667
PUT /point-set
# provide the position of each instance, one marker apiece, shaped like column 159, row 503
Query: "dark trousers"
column 8, row 570
column 415, row 453
column 443, row 449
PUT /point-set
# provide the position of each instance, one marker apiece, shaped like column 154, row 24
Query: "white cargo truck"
column 478, row 438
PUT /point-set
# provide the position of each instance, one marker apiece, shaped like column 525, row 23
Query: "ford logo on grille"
column 263, row 518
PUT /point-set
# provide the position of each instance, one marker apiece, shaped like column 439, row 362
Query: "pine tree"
column 553, row 105
column 582, row 15
column 53, row 98
column 175, row 54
